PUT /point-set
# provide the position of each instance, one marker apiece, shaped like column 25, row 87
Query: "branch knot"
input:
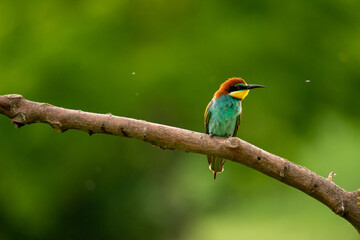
column 339, row 209
column 19, row 120
column 57, row 126
column 232, row 142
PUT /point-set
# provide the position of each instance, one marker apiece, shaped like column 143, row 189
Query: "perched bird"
column 223, row 114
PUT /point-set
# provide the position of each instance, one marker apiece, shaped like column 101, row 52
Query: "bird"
column 223, row 114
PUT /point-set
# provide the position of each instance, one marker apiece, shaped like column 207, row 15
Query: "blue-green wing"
column 215, row 163
column 207, row 117
column 206, row 123
column 238, row 119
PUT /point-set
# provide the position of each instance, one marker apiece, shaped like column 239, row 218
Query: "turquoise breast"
column 224, row 112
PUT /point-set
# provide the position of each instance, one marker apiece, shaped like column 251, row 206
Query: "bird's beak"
column 251, row 86
column 241, row 94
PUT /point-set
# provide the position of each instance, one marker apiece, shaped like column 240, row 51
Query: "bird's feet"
column 358, row 203
column 211, row 135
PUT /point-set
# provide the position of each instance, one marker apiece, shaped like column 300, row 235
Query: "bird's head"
column 236, row 88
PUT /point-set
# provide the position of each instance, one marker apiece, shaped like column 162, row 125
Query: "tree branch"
column 343, row 203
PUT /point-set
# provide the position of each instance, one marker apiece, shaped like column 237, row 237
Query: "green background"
column 162, row 61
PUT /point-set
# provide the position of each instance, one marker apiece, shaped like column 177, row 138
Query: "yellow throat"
column 240, row 94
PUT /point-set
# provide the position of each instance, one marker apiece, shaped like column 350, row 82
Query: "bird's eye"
column 237, row 87
column 233, row 88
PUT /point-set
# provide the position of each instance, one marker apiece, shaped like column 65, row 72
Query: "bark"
column 343, row 203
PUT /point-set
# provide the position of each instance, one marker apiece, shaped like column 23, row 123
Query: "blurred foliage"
column 162, row 61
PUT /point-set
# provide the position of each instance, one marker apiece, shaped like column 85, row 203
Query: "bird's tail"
column 216, row 165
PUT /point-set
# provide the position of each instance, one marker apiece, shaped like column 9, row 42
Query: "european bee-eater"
column 223, row 114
